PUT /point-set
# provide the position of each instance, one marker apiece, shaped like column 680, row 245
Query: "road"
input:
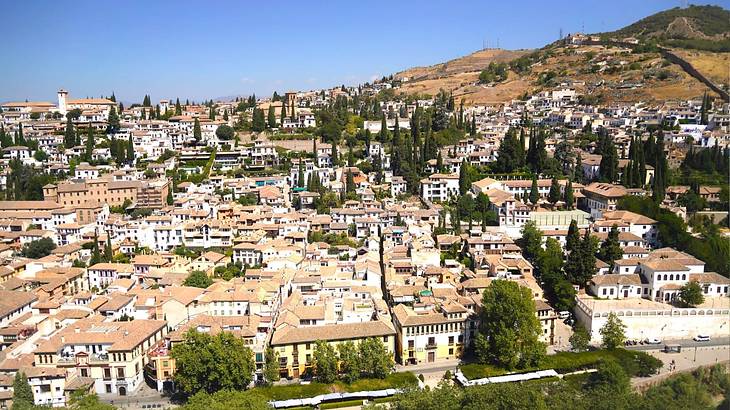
column 686, row 344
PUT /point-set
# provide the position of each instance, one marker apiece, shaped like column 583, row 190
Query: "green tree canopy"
column 612, row 332
column 509, row 331
column 38, row 248
column 212, row 363
column 198, row 279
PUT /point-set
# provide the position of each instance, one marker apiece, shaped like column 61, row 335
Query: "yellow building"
column 431, row 334
column 295, row 345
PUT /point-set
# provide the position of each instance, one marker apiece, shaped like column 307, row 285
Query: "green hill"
column 698, row 27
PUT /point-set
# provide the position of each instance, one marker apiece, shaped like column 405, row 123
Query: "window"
column 108, row 388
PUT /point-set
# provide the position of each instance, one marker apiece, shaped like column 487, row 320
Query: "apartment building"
column 113, row 354
column 431, row 334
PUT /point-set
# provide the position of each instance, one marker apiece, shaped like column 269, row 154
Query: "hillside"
column 608, row 73
column 473, row 62
column 693, row 22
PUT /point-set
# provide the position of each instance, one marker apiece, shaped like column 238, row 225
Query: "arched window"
column 671, row 277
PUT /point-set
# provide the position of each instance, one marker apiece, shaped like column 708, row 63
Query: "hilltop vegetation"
column 696, row 27
column 693, row 22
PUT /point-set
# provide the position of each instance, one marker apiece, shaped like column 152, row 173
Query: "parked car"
column 564, row 314
column 701, row 338
column 652, row 341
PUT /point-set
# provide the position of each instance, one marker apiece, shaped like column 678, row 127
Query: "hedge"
column 635, row 363
column 340, row 404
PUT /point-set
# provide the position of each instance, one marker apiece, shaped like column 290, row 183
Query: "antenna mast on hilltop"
column 560, row 37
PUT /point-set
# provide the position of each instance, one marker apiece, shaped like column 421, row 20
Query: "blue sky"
column 208, row 49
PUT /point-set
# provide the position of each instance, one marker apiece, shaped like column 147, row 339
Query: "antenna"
column 560, row 37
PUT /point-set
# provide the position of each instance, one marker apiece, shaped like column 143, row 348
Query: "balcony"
column 430, row 346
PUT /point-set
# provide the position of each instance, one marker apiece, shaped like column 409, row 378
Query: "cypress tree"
column 69, row 136
column 130, row 149
column 554, row 194
column 197, row 133
column 178, row 108
column 89, row 142
column 383, row 134
column 572, row 240
column 534, row 193
column 464, row 183
column 271, row 117
column 395, row 149
column 283, row 112
column 568, row 196
column 473, row 128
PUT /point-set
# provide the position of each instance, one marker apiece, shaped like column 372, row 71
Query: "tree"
column 38, row 248
column 198, row 279
column 572, row 240
column 509, row 155
column 581, row 263
column 534, row 193
column 325, row 362
column 130, row 149
column 82, row 400
column 612, row 333
column 69, row 139
column 212, row 363
column 580, row 339
column 89, row 143
column 509, row 328
column 258, row 123
column 568, row 196
column 22, row 393
column 611, row 248
column 112, row 121
column 554, row 194
column 271, row 117
column 608, row 168
column 374, row 360
column 225, row 132
column 531, row 241
column 610, row 375
column 271, row 366
column 349, row 361
column 108, row 253
column 197, row 133
column 691, row 294
column 178, row 107
column 464, row 183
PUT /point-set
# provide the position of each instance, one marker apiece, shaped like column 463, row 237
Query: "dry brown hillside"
column 473, row 62
column 609, row 73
